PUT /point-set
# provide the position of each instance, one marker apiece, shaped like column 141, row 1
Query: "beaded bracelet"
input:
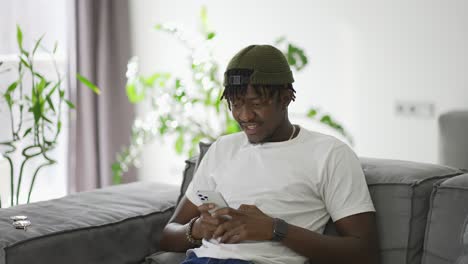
column 188, row 233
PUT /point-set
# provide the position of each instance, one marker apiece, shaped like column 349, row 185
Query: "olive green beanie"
column 267, row 63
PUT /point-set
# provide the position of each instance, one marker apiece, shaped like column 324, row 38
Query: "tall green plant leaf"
column 70, row 104
column 179, row 144
column 312, row 113
column 12, row 87
column 232, row 126
column 50, row 103
column 55, row 47
column 134, row 94
column 38, row 42
column 88, row 83
column 26, row 64
column 41, row 86
column 8, row 99
column 36, row 109
column 117, row 173
column 19, row 37
column 27, row 131
column 46, row 119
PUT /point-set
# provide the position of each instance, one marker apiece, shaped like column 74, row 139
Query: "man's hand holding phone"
column 227, row 225
column 207, row 224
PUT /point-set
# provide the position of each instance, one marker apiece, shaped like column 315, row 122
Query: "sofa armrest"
column 119, row 224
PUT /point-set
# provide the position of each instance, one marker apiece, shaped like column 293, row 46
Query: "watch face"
column 280, row 229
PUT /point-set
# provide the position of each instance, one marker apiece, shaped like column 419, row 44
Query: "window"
column 36, row 17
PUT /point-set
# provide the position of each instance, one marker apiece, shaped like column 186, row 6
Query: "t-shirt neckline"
column 275, row 144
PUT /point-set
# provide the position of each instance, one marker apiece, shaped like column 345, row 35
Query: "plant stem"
column 19, row 179
column 10, row 163
column 12, row 180
column 35, row 174
column 26, row 158
column 14, row 135
column 21, row 105
column 59, row 80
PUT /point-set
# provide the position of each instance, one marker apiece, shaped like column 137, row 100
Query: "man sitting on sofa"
column 285, row 181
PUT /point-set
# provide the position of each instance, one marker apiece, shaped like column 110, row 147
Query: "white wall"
column 365, row 55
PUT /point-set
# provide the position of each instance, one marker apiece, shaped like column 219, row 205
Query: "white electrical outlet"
column 415, row 109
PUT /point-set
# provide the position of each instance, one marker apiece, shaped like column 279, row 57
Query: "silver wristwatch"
column 280, row 229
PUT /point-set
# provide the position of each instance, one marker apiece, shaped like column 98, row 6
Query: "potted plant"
column 35, row 104
column 173, row 100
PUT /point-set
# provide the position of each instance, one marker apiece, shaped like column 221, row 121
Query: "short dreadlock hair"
column 232, row 92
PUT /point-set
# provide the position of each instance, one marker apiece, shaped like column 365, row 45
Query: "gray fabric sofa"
column 422, row 212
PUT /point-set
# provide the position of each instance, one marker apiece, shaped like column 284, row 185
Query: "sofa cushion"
column 463, row 259
column 448, row 211
column 120, row 224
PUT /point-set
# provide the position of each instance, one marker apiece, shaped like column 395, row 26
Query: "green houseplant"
column 35, row 104
column 174, row 101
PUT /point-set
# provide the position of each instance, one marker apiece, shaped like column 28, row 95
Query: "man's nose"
column 246, row 114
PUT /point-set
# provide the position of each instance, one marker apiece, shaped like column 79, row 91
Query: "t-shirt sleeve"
column 203, row 177
column 344, row 189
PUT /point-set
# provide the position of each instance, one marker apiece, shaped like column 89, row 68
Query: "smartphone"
column 212, row 197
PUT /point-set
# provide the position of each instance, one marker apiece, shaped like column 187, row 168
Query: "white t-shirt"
column 303, row 181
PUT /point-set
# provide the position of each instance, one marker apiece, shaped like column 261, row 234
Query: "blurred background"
column 385, row 70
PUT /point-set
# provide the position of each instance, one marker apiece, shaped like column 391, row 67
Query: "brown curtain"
column 101, row 124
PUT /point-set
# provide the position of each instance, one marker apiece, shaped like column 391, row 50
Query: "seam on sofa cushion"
column 439, row 257
column 464, row 244
column 435, row 189
column 410, row 223
column 84, row 228
column 454, row 188
column 442, row 177
column 438, row 180
column 464, row 238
